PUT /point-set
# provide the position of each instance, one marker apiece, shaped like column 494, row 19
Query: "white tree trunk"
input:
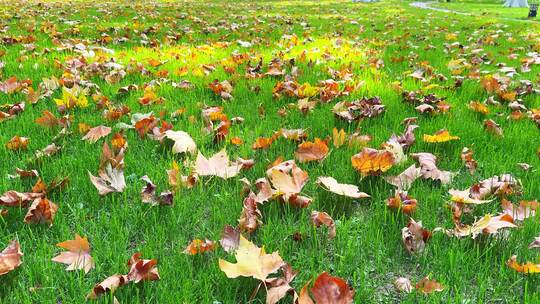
column 516, row 3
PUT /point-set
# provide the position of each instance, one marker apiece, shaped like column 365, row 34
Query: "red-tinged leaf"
column 142, row 270
column 322, row 218
column 96, row 133
column 10, row 257
column 42, row 211
column 110, row 284
column 78, row 254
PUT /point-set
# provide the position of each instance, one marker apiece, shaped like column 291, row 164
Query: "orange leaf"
column 10, row 258
column 372, row 162
column 312, row 151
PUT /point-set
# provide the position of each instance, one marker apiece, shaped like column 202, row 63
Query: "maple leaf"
column 110, row 284
column 72, row 98
column 41, row 211
column 277, row 288
column 404, row 180
column 230, row 238
column 322, row 218
column 312, row 151
column 251, row 261
column 217, row 165
column 331, row 184
column 523, row 268
column 463, row 197
column 467, row 157
column 406, row 139
column 251, row 215
column 198, row 246
column 414, row 237
column 10, row 257
column 327, row 290
column 429, row 170
column 294, row 134
column 288, row 180
column 94, row 134
column 439, row 137
column 142, row 270
column 525, row 210
column 487, row 224
column 13, row 198
column 111, row 172
column 182, row 142
column 478, row 107
column 78, row 254
column 493, row 127
column 148, row 194
column 372, row 162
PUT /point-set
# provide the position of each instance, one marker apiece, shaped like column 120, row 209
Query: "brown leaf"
column 331, row 290
column 414, row 237
column 404, row 180
column 230, row 238
column 96, row 133
column 322, row 218
column 288, row 180
column 41, row 211
column 330, row 184
column 142, row 270
column 467, row 157
column 277, row 288
column 429, row 170
column 110, row 284
column 182, row 142
column 10, row 257
column 251, row 215
column 78, row 254
column 13, row 198
column 492, row 127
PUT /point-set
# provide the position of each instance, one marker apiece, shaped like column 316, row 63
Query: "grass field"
column 170, row 41
column 487, row 9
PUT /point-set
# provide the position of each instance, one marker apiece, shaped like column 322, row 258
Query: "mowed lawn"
column 379, row 49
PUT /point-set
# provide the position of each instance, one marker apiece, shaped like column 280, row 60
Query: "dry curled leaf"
column 110, row 284
column 10, row 257
column 230, row 238
column 319, row 218
column 288, row 180
column 328, row 290
column 330, row 184
column 17, row 143
column 42, row 211
column 404, row 180
column 78, row 254
column 414, row 237
column 142, row 270
column 251, row 215
column 217, row 165
column 429, row 170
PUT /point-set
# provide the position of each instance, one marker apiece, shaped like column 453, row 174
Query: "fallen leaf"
column 404, row 180
column 330, row 184
column 110, row 284
column 427, row 286
column 230, row 238
column 414, row 237
column 10, row 257
column 198, row 246
column 402, row 201
column 78, row 254
column 182, row 142
column 439, row 137
column 41, row 211
column 94, row 134
column 429, row 170
column 312, row 151
column 523, row 268
column 217, row 165
column 331, row 290
column 372, row 162
column 251, row 216
column 142, row 270
column 17, row 143
column 322, row 218
column 251, row 261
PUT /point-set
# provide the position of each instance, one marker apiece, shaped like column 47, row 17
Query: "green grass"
column 487, row 9
column 367, row 250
